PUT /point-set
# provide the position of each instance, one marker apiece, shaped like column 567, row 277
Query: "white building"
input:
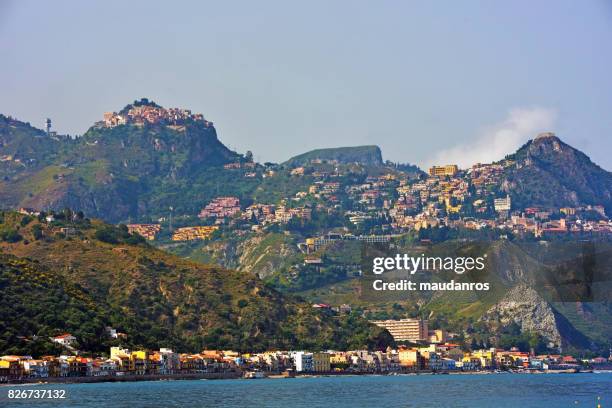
column 303, row 361
column 65, row 339
column 502, row 204
column 169, row 361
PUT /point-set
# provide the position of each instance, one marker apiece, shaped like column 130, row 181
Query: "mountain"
column 139, row 162
column 78, row 275
column 126, row 166
column 548, row 172
column 365, row 155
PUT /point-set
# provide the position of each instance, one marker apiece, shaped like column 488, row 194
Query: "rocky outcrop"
column 525, row 307
column 263, row 255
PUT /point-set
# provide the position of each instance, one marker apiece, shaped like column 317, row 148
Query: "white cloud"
column 495, row 142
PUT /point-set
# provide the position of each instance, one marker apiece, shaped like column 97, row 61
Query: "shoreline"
column 272, row 376
column 125, row 378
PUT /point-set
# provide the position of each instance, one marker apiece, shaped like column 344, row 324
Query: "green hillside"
column 115, row 172
column 100, row 275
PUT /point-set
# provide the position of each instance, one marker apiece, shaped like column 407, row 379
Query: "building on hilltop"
column 440, row 171
column 142, row 114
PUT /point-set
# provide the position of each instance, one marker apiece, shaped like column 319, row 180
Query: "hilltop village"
column 144, row 112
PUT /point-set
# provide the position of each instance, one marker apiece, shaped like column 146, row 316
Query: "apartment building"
column 413, row 330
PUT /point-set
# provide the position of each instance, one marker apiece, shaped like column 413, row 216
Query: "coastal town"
column 434, row 355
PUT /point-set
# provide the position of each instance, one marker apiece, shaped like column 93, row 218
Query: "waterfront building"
column 321, row 362
column 303, row 361
column 411, row 358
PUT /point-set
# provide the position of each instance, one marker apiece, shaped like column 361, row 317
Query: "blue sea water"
column 486, row 390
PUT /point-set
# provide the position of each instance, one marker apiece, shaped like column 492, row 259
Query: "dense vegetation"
column 552, row 173
column 97, row 276
column 116, row 173
column 366, row 155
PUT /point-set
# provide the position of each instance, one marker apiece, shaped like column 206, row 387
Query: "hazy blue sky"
column 428, row 81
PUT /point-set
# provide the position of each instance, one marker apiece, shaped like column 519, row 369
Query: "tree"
column 10, row 235
column 37, row 231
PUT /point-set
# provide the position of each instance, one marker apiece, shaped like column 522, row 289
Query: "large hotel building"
column 413, row 330
column 448, row 170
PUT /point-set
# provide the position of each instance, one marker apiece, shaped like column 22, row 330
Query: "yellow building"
column 119, row 352
column 425, row 350
column 122, row 357
column 451, row 208
column 193, row 233
column 486, row 357
column 138, row 361
column 410, row 358
column 437, row 336
column 338, row 358
column 429, row 222
column 568, row 211
column 448, row 170
column 321, row 362
column 140, row 354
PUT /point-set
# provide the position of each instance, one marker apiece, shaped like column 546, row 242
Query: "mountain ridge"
column 369, row 155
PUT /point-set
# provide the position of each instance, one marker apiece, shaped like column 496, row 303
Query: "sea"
column 477, row 390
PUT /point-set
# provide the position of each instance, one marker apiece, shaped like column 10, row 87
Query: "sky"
column 429, row 82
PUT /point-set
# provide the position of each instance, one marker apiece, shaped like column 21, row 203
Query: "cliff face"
column 261, row 255
column 524, row 306
column 264, row 255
